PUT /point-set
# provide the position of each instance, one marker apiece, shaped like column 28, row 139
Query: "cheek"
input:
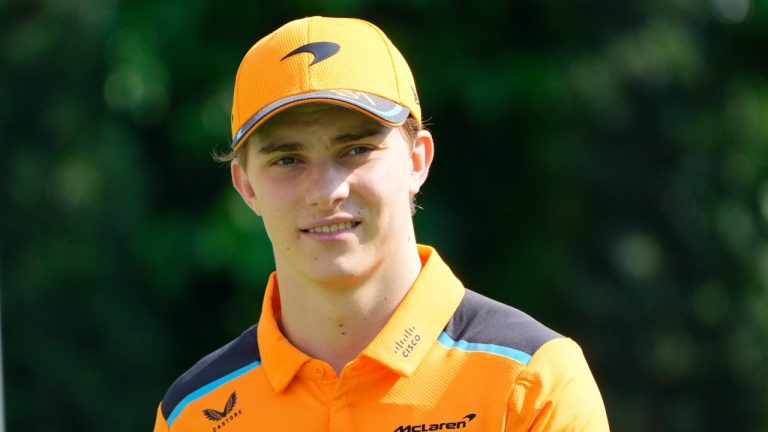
column 274, row 206
column 386, row 185
column 280, row 227
column 272, row 193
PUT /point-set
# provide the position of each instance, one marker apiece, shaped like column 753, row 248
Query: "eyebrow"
column 292, row 146
column 360, row 134
column 280, row 147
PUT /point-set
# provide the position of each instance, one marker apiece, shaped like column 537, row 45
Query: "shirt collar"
column 400, row 345
column 279, row 358
column 420, row 317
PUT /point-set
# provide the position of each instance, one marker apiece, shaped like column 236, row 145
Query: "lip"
column 330, row 221
column 330, row 235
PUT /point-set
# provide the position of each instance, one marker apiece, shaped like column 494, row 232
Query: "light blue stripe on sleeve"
column 204, row 390
column 463, row 345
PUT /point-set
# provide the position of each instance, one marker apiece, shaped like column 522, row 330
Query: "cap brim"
column 380, row 109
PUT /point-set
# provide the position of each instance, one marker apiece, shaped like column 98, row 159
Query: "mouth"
column 331, row 228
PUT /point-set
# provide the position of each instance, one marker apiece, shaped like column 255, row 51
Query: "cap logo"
column 321, row 51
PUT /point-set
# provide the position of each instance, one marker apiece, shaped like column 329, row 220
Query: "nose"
column 327, row 186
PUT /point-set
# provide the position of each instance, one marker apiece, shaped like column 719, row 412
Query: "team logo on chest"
column 227, row 415
column 424, row 427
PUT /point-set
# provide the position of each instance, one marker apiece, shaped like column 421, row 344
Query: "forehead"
column 316, row 119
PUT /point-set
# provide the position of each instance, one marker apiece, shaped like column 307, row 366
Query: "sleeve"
column 556, row 392
column 160, row 424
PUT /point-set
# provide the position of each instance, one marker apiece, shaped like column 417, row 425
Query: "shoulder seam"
column 488, row 324
column 500, row 350
column 226, row 363
column 202, row 391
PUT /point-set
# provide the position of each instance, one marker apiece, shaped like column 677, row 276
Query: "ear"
column 242, row 184
column 421, row 159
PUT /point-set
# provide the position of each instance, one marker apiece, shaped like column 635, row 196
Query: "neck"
column 336, row 324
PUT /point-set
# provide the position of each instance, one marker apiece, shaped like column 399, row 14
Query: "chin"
column 338, row 273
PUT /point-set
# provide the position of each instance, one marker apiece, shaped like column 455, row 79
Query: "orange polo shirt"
column 448, row 358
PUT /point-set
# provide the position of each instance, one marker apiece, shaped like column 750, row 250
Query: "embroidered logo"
column 225, row 416
column 405, row 345
column 320, row 51
column 461, row 424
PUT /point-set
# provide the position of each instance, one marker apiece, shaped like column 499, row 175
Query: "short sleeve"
column 556, row 392
column 160, row 424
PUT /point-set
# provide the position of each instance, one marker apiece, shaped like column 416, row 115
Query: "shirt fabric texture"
column 448, row 358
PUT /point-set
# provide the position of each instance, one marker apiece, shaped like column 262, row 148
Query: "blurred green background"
column 601, row 165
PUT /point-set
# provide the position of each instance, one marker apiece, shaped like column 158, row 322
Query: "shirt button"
column 319, row 372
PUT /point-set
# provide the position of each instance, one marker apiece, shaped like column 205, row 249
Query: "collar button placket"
column 318, row 371
column 340, row 415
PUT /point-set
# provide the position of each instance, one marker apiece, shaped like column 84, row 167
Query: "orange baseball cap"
column 342, row 61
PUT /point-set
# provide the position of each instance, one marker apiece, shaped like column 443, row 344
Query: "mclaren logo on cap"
column 321, row 51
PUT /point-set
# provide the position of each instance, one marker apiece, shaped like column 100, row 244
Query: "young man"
column 362, row 329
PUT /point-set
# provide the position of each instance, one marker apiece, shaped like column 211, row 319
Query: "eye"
column 285, row 160
column 359, row 150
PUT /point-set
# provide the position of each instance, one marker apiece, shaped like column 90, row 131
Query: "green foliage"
column 601, row 165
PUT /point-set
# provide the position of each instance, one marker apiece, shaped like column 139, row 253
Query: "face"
column 333, row 188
